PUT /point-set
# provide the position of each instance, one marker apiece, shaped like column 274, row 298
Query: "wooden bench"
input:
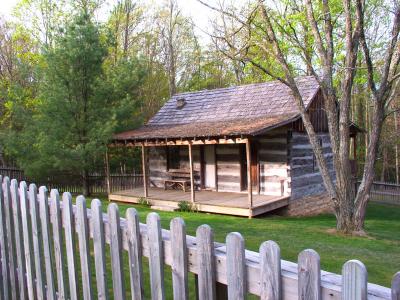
column 178, row 178
column 176, row 183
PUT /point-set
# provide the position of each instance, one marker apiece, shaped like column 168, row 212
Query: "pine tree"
column 76, row 117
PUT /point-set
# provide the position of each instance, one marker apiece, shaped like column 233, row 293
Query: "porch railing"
column 35, row 265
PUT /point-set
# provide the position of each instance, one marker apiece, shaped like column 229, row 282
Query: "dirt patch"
column 361, row 233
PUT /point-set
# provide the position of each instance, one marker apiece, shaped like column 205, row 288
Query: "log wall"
column 228, row 168
column 317, row 114
column 273, row 162
column 286, row 164
column 157, row 166
column 305, row 176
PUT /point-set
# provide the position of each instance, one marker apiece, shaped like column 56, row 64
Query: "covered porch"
column 206, row 201
column 246, row 202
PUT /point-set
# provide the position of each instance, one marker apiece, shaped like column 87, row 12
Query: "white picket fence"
column 39, row 257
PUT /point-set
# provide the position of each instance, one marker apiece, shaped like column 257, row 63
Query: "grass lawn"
column 379, row 251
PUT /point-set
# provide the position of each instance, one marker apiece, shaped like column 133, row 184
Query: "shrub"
column 144, row 201
column 187, row 206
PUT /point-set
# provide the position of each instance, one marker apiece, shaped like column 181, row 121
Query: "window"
column 173, row 157
column 314, row 159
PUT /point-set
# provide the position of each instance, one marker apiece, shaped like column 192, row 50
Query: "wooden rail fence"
column 39, row 257
column 385, row 192
column 73, row 184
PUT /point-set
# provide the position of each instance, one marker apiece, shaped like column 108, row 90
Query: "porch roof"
column 207, row 129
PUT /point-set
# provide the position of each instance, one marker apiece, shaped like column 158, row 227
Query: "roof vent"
column 180, row 102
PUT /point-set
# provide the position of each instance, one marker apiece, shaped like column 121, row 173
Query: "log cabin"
column 239, row 150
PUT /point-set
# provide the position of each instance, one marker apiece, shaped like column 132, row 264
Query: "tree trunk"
column 385, row 163
column 396, row 147
column 362, row 197
column 128, row 8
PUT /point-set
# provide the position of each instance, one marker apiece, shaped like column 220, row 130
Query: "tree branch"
column 314, row 29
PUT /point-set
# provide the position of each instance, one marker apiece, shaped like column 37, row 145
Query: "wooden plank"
column 36, row 236
column 84, row 252
column 47, row 249
column 28, row 247
column 116, row 251
column 354, row 281
column 192, row 187
column 180, row 142
column 144, row 169
column 5, row 280
column 19, row 239
column 58, row 243
column 249, row 183
column 395, row 292
column 179, row 259
column 205, row 263
column 235, row 266
column 97, row 226
column 202, row 168
column 270, row 271
column 216, row 167
column 68, row 220
column 135, row 253
column 156, row 256
column 10, row 239
column 309, row 275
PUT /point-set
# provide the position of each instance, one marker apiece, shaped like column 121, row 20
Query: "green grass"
column 379, row 251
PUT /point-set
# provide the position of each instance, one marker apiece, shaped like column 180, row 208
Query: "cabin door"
column 209, row 166
column 254, row 166
column 254, row 170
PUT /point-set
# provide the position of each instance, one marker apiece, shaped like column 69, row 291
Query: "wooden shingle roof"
column 241, row 110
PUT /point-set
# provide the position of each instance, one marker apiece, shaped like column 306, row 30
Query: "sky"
column 192, row 8
column 6, row 7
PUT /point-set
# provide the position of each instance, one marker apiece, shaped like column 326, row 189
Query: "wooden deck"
column 206, row 201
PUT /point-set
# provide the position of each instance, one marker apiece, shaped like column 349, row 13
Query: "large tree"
column 75, row 118
column 19, row 57
column 326, row 39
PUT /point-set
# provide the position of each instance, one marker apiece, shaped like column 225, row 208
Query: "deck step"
column 163, row 207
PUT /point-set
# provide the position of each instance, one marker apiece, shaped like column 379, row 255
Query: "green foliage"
column 76, row 118
column 123, row 81
column 82, row 100
column 124, row 68
column 143, row 201
column 187, row 206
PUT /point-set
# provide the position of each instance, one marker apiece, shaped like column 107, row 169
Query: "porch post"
column 108, row 181
column 192, row 196
column 249, row 183
column 144, row 168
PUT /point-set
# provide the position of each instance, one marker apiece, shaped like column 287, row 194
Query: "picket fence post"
column 235, row 267
column 354, row 281
column 47, row 249
column 12, row 259
column 5, row 283
column 309, row 272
